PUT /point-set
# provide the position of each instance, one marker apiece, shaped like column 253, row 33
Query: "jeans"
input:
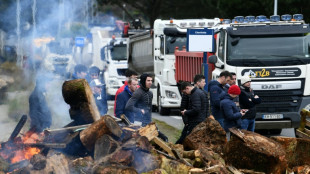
column 248, row 124
column 221, row 121
column 186, row 131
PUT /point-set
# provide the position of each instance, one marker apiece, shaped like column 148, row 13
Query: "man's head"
column 131, row 74
column 146, row 80
column 80, row 71
column 233, row 79
column 186, row 88
column 96, row 86
column 224, row 78
column 246, row 81
column 200, row 81
column 94, row 72
column 133, row 84
column 234, row 91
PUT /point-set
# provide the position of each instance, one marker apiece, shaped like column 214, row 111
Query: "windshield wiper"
column 246, row 62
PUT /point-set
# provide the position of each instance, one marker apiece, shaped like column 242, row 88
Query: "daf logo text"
column 271, row 87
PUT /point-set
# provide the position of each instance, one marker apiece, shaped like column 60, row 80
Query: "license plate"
column 273, row 116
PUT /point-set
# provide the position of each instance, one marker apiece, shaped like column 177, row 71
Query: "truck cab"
column 276, row 55
column 114, row 56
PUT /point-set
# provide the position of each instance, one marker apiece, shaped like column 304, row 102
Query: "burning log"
column 249, row 150
column 78, row 95
column 208, row 134
column 105, row 125
column 18, row 127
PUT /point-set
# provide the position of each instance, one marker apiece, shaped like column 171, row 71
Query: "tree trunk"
column 79, row 96
column 105, row 125
column 256, row 151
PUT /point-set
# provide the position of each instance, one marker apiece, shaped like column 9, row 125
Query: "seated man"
column 123, row 97
column 96, row 87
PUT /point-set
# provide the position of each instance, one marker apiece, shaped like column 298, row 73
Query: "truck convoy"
column 152, row 51
column 274, row 52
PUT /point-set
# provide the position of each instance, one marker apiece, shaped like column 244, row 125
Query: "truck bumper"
column 290, row 119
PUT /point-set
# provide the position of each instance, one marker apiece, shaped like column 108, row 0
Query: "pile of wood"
column 111, row 145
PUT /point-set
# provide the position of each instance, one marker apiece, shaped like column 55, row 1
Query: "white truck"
column 276, row 54
column 114, row 55
column 153, row 52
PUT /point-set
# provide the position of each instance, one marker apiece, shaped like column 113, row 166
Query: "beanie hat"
column 245, row 79
column 234, row 89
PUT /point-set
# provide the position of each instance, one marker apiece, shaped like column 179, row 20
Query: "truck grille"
column 279, row 101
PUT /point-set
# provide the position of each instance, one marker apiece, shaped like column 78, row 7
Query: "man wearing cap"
column 123, row 98
column 248, row 100
column 96, row 87
column 216, row 88
column 232, row 115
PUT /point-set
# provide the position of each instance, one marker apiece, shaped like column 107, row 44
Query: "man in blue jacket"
column 123, row 98
column 232, row 115
column 216, row 88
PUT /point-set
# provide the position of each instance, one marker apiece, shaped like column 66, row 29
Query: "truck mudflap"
column 277, row 120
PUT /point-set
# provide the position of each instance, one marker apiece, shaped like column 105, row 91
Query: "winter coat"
column 121, row 102
column 39, row 112
column 197, row 111
column 141, row 99
column 102, row 104
column 216, row 89
column 231, row 114
column 247, row 101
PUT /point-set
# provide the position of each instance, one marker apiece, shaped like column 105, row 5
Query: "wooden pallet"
column 306, row 132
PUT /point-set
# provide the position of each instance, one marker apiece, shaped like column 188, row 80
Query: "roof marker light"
column 250, row 18
column 286, row 17
column 226, row 21
column 275, row 18
column 239, row 19
column 298, row 17
column 202, row 23
column 192, row 23
column 183, row 24
column 261, row 18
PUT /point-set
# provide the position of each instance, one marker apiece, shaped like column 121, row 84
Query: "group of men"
column 231, row 105
column 133, row 100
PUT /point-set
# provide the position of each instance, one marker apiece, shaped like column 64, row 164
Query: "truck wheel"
column 161, row 110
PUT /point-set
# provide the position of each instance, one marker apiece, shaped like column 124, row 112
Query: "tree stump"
column 208, row 134
column 105, row 125
column 297, row 150
column 78, row 95
column 249, row 150
column 105, row 146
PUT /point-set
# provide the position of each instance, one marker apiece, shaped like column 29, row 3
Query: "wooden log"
column 208, row 134
column 149, row 131
column 124, row 157
column 114, row 169
column 173, row 166
column 305, row 169
column 297, row 150
column 105, row 125
column 156, row 171
column 257, row 152
column 104, row 146
column 4, row 165
column 78, row 95
column 128, row 133
column 38, row 162
column 81, row 165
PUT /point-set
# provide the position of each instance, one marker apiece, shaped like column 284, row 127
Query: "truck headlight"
column 171, row 94
column 113, row 82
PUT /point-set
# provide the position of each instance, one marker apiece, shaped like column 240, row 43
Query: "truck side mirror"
column 157, row 46
column 213, row 59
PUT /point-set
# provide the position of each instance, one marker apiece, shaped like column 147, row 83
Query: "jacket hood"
column 143, row 80
column 224, row 95
column 212, row 83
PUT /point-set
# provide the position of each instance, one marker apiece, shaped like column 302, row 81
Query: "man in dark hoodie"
column 196, row 112
column 141, row 100
column 216, row 88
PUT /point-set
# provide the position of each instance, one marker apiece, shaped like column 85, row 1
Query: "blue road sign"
column 79, row 41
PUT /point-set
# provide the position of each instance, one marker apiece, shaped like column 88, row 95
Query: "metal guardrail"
column 304, row 129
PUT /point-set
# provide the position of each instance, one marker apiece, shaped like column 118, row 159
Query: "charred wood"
column 104, row 146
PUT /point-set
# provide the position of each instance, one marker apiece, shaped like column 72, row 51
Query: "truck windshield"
column 119, row 52
column 175, row 41
column 272, row 50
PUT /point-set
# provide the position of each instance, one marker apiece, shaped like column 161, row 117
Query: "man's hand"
column 256, row 96
column 142, row 111
column 182, row 112
column 211, row 116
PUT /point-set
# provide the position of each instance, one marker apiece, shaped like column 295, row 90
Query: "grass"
column 171, row 132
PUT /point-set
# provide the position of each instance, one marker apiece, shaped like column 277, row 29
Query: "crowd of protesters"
column 231, row 105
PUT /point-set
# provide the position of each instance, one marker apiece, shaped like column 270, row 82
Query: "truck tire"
column 160, row 109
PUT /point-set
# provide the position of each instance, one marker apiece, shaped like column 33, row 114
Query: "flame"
column 22, row 153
